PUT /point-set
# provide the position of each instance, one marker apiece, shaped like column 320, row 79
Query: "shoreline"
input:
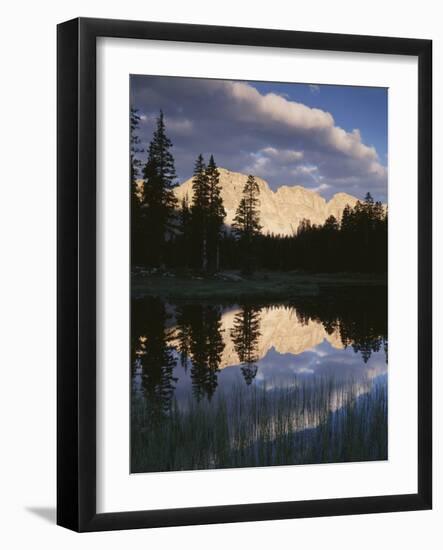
column 263, row 284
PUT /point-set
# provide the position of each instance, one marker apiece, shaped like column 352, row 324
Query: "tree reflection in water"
column 245, row 335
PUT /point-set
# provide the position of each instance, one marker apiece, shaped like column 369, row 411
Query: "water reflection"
column 236, row 385
column 245, row 335
column 154, row 360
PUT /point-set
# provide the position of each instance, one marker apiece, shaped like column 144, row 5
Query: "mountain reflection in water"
column 217, row 386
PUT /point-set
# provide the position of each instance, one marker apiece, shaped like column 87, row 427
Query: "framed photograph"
column 244, row 230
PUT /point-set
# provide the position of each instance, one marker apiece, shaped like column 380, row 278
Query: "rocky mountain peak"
column 281, row 211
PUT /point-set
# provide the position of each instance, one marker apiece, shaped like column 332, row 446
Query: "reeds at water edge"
column 308, row 422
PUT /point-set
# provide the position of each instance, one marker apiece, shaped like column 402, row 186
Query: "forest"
column 192, row 237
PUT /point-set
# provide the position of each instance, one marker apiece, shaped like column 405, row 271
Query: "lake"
column 258, row 384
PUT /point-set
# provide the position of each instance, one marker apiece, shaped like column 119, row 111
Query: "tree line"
column 356, row 243
column 193, row 235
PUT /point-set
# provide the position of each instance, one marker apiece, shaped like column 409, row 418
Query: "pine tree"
column 185, row 232
column 134, row 149
column 346, row 237
column 157, row 361
column 158, row 200
column 245, row 334
column 159, row 151
column 331, row 224
column 206, row 348
column 134, row 190
column 215, row 346
column 247, row 218
column 246, row 224
column 216, row 214
column 199, row 213
column 200, row 186
column 346, row 218
column 184, row 313
column 329, row 241
column 369, row 201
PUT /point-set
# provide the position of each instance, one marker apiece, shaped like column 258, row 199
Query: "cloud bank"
column 268, row 135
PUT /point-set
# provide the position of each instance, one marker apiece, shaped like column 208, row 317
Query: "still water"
column 232, row 385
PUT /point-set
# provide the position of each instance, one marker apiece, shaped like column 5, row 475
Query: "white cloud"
column 269, row 161
column 315, row 88
column 272, row 108
column 275, row 108
column 284, row 155
column 320, row 188
column 179, row 125
column 267, row 134
column 306, row 169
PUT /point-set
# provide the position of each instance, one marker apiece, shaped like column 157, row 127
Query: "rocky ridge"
column 281, row 211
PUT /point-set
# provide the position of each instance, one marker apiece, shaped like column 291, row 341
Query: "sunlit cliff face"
column 281, row 211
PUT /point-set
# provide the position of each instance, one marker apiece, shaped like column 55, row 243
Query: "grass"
column 302, row 424
column 273, row 285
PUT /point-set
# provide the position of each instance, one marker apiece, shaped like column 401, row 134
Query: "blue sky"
column 327, row 138
column 352, row 107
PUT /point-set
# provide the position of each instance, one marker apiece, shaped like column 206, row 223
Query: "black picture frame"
column 76, row 296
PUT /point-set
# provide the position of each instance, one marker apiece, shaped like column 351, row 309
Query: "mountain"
column 281, row 211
